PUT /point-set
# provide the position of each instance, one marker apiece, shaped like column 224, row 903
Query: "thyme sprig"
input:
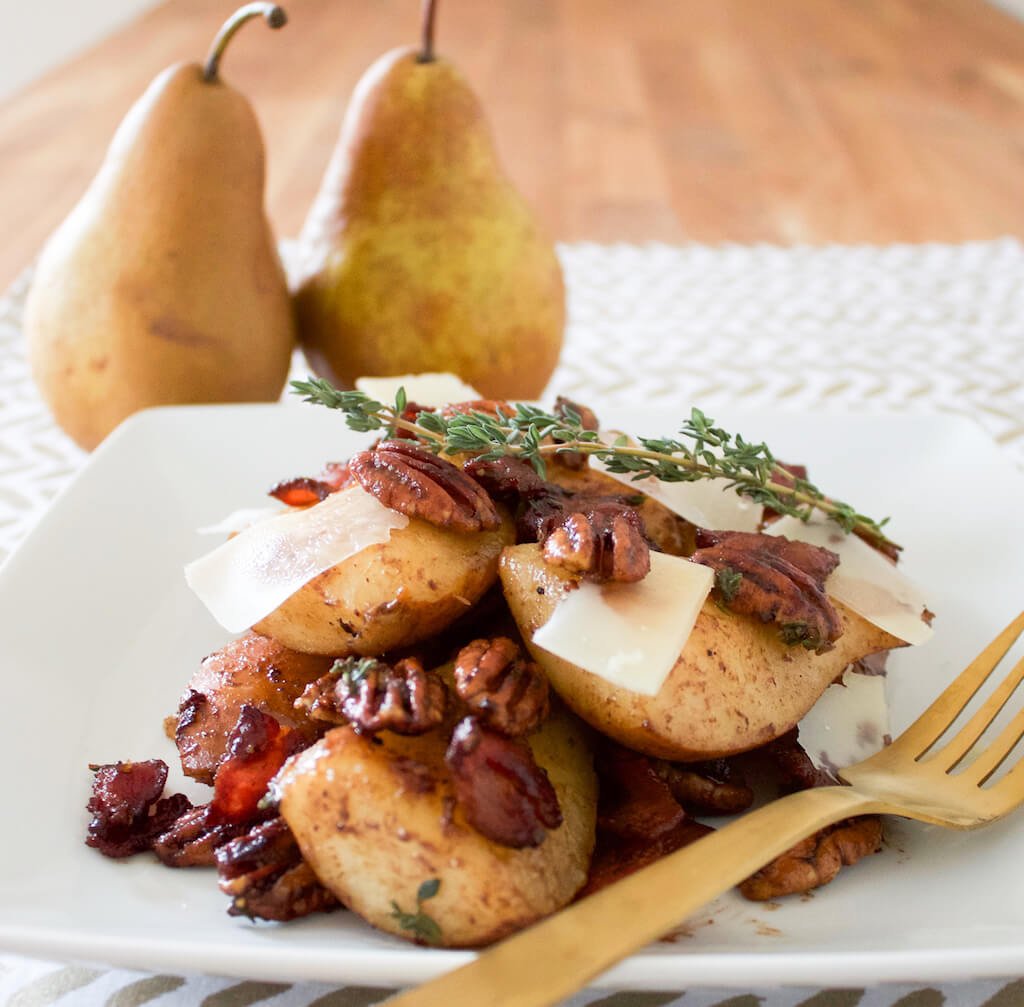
column 421, row 925
column 701, row 450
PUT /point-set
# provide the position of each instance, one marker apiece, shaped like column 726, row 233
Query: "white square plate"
column 98, row 636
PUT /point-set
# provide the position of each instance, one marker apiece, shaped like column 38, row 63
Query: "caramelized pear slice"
column 735, row 686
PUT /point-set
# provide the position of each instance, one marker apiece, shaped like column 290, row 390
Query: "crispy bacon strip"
column 302, row 491
column 639, row 819
column 127, row 810
column 257, row 749
column 635, row 801
column 617, row 857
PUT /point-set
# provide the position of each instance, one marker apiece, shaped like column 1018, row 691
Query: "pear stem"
column 427, row 32
column 274, row 16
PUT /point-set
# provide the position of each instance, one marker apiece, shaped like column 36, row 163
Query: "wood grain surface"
column 707, row 120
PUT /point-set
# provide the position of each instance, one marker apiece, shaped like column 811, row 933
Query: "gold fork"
column 558, row 956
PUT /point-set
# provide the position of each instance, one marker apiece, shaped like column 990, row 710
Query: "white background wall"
column 39, row 34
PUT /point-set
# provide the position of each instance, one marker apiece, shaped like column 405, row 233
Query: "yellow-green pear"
column 419, row 254
column 164, row 284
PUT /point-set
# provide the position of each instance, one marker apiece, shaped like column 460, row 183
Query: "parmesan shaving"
column 629, row 634
column 428, row 390
column 253, row 573
column 865, row 580
column 239, row 520
column 848, row 724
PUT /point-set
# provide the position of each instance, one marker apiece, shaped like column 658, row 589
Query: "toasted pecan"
column 775, row 580
column 495, row 681
column 604, row 542
column 373, row 696
column 267, row 878
column 411, row 480
column 816, row 860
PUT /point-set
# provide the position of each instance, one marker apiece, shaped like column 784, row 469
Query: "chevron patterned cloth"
column 907, row 328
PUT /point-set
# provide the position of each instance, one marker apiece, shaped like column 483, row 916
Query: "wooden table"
column 708, row 120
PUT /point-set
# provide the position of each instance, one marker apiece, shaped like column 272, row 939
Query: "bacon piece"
column 128, row 812
column 779, row 581
column 617, row 857
column 193, row 839
column 795, row 768
column 639, row 819
column 302, row 491
column 635, row 802
column 257, row 749
column 504, row 794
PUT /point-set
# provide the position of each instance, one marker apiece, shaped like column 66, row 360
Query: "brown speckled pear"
column 164, row 286
column 419, row 254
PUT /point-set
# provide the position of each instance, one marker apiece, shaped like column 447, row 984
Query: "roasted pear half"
column 390, row 595
column 735, row 686
column 376, row 818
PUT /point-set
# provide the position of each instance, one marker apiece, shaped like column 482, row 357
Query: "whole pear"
column 164, row 284
column 419, row 254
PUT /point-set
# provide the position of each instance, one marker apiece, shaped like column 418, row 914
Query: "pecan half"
column 775, row 580
column 194, row 838
column 409, row 479
column 373, row 696
column 266, row 877
column 502, row 791
column 816, row 860
column 508, row 693
column 709, row 788
column 605, row 542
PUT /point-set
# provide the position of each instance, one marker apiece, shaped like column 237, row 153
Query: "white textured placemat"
column 915, row 328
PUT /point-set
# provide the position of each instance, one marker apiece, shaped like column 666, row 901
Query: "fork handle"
column 553, row 959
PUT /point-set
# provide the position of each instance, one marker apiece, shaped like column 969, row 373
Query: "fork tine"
column 924, row 732
column 951, row 753
column 1008, row 793
column 995, row 754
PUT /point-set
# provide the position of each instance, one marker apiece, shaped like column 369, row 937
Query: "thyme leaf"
column 727, row 582
column 352, row 670
column 700, row 450
column 422, row 926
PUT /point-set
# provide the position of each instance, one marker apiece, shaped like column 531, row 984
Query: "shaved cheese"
column 849, row 723
column 253, row 573
column 239, row 520
column 629, row 634
column 865, row 580
column 707, row 503
column 430, row 390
